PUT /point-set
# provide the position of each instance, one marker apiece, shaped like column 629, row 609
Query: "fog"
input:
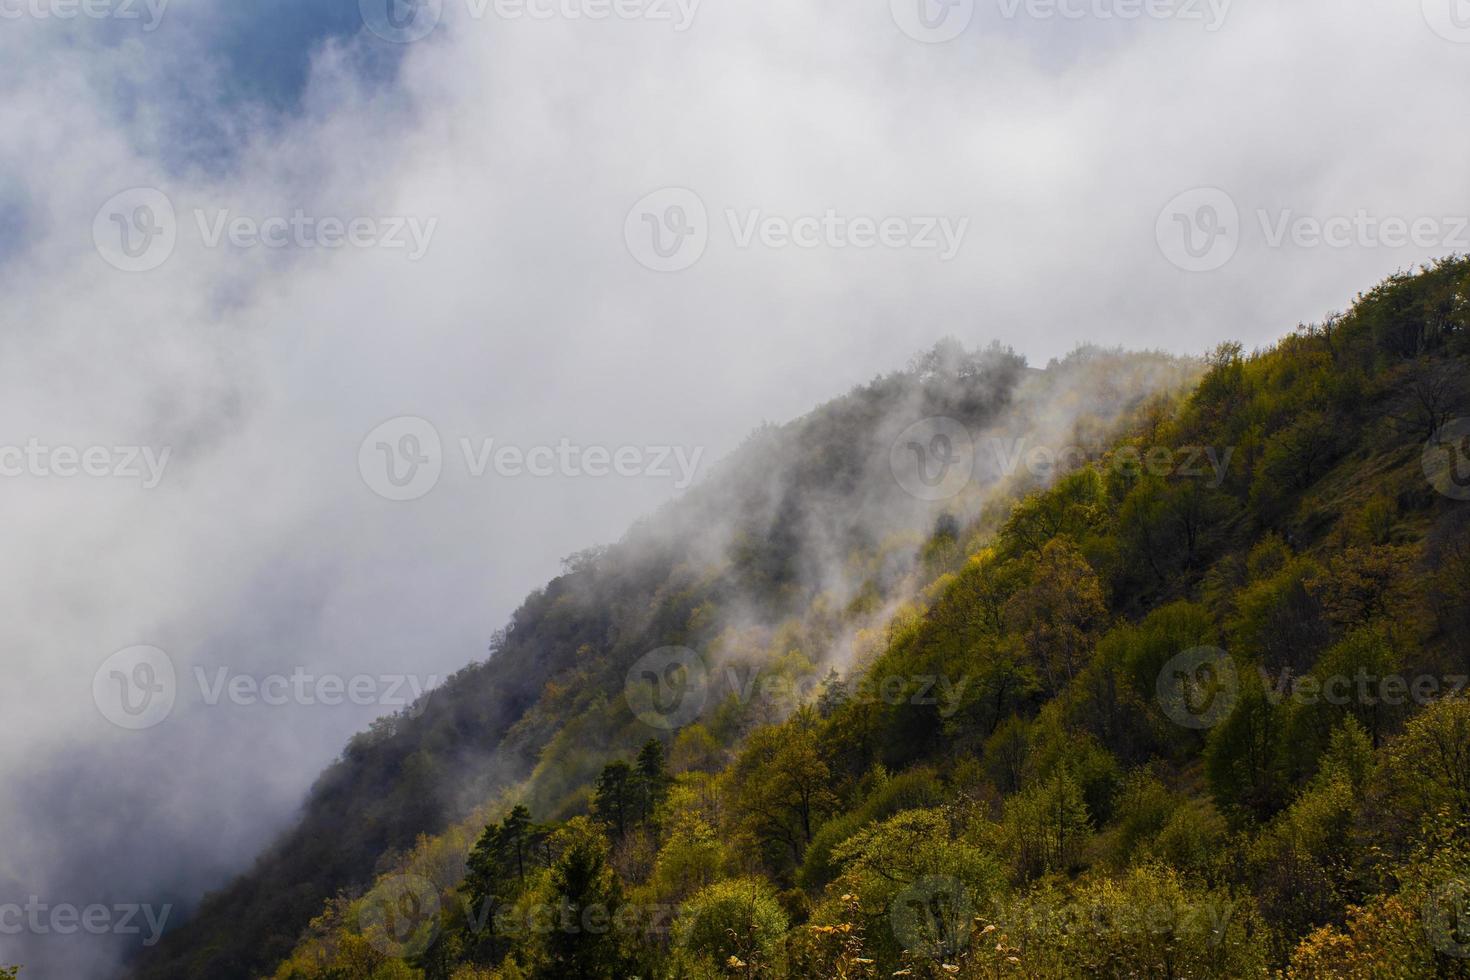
column 516, row 160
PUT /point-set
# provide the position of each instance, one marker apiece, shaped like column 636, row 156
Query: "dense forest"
column 1172, row 684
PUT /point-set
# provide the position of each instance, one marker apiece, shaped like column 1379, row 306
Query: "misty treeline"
column 1188, row 708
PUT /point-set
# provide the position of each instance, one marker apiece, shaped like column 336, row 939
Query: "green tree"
column 925, row 871
column 783, row 784
column 1246, row 754
column 1046, row 825
column 1060, row 613
column 614, row 799
column 651, row 780
column 584, row 943
column 740, row 918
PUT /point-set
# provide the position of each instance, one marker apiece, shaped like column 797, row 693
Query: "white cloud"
column 528, row 321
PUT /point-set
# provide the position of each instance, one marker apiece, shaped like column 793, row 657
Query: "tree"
column 1278, row 620
column 1072, row 507
column 1245, row 756
column 696, row 749
column 651, row 780
column 1146, row 922
column 1045, row 826
column 1304, row 865
column 1434, row 392
column 834, row 694
column 587, row 896
column 613, row 798
column 692, row 857
column 1004, row 684
column 1293, row 459
column 1006, row 754
column 739, row 918
column 1060, row 613
column 1363, row 584
column 782, row 784
column 1425, row 772
column 515, row 838
column 1352, row 674
column 1168, row 524
column 920, row 875
column 495, row 874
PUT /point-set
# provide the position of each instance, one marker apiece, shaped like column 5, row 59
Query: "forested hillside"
column 1124, row 667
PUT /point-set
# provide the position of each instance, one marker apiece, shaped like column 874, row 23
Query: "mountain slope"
column 1140, row 712
column 778, row 523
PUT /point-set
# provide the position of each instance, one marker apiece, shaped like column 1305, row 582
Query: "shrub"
column 740, row 918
